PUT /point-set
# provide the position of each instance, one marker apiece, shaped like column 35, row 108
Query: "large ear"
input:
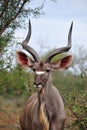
column 23, row 59
column 62, row 63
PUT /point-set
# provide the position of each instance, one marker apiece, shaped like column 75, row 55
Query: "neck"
column 44, row 91
column 43, row 113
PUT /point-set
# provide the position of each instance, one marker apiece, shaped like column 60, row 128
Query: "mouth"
column 38, row 87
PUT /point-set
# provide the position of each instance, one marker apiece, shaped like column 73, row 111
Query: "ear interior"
column 66, row 62
column 63, row 63
column 23, row 59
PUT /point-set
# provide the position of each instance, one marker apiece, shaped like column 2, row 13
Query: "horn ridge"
column 27, row 47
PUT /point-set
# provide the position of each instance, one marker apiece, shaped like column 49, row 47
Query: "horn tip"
column 29, row 23
column 71, row 24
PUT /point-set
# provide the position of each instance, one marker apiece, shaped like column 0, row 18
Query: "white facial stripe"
column 40, row 72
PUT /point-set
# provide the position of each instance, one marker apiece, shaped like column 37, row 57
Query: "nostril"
column 39, row 83
column 34, row 83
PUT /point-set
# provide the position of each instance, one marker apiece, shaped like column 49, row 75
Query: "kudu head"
column 42, row 69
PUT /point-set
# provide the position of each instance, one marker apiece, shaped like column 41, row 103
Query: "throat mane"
column 43, row 117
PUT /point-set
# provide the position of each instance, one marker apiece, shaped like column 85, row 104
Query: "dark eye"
column 48, row 70
column 33, row 69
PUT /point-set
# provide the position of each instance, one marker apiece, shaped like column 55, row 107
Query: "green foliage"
column 14, row 11
column 13, row 83
column 76, row 102
column 4, row 40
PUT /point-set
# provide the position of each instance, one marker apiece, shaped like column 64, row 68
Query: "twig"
column 70, row 108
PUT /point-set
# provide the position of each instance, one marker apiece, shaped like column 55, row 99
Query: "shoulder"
column 55, row 90
column 32, row 98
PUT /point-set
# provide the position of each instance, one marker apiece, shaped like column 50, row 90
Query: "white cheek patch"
column 40, row 72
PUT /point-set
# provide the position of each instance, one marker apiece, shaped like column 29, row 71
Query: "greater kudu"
column 44, row 110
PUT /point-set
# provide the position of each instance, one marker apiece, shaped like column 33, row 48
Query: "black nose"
column 37, row 84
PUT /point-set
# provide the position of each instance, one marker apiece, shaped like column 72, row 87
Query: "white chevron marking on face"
column 40, row 72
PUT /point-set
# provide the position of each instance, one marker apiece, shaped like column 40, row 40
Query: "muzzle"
column 38, row 86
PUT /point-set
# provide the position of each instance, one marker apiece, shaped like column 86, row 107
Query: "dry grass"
column 9, row 113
